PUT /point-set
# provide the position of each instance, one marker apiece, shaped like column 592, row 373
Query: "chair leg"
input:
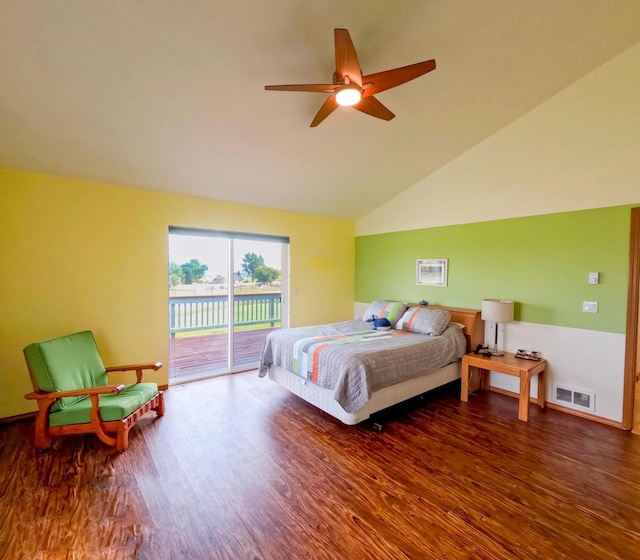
column 122, row 439
column 41, row 439
column 160, row 408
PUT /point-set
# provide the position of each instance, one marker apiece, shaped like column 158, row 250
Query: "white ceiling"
column 169, row 95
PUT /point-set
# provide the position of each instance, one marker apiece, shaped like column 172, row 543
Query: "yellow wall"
column 81, row 255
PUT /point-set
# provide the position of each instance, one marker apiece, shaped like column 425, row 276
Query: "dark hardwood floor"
column 238, row 468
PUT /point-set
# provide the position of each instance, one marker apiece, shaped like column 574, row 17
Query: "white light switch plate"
column 590, row 306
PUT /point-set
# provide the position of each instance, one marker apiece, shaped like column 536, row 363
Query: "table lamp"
column 497, row 311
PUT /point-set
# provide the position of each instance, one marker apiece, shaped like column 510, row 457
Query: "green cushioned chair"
column 71, row 388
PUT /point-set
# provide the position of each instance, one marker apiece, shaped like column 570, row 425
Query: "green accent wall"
column 540, row 262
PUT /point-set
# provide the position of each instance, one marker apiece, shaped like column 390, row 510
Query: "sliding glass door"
column 226, row 293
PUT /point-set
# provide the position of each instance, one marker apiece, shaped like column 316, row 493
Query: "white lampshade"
column 497, row 310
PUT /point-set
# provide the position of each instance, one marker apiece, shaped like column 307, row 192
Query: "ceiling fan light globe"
column 348, row 95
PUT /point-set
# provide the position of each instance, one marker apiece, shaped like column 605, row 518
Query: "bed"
column 351, row 371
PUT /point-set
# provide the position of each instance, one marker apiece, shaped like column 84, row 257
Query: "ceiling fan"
column 350, row 88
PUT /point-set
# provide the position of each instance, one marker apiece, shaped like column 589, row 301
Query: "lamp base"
column 497, row 353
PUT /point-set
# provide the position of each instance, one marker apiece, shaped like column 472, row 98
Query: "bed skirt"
column 323, row 398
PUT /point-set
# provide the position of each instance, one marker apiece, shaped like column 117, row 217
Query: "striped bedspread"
column 307, row 351
column 353, row 360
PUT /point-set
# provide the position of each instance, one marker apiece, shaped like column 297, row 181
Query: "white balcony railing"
column 196, row 313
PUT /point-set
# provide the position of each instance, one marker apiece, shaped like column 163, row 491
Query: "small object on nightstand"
column 528, row 355
column 424, row 302
column 482, row 350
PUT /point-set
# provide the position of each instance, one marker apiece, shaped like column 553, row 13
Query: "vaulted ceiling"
column 169, row 95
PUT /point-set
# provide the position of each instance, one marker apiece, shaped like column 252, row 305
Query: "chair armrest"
column 114, row 389
column 138, row 368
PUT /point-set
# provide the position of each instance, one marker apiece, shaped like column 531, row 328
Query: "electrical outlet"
column 589, row 306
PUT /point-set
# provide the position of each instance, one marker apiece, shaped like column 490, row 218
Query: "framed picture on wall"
column 431, row 272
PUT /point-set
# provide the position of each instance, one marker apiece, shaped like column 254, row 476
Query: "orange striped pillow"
column 424, row 320
column 382, row 309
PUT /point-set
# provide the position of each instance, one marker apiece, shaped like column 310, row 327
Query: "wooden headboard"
column 470, row 318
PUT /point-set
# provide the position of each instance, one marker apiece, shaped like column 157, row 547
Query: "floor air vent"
column 574, row 398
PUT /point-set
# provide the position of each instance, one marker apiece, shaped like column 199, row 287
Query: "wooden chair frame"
column 44, row 433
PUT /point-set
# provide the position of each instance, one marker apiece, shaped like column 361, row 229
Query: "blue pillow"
column 381, row 324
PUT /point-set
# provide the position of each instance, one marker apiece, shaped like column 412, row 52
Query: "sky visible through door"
column 183, row 248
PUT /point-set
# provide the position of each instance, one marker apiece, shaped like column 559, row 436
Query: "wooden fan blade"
column 371, row 106
column 346, row 58
column 392, row 78
column 313, row 88
column 328, row 107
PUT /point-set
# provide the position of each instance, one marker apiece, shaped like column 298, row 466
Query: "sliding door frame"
column 231, row 237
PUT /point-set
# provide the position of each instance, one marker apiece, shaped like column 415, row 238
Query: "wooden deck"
column 201, row 356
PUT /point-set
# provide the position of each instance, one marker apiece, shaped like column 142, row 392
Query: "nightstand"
column 510, row 365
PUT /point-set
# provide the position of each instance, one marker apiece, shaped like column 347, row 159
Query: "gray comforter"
column 356, row 369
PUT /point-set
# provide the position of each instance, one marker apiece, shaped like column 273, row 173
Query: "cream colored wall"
column 578, row 150
column 81, row 255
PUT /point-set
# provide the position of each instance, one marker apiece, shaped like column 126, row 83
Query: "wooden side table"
column 509, row 364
